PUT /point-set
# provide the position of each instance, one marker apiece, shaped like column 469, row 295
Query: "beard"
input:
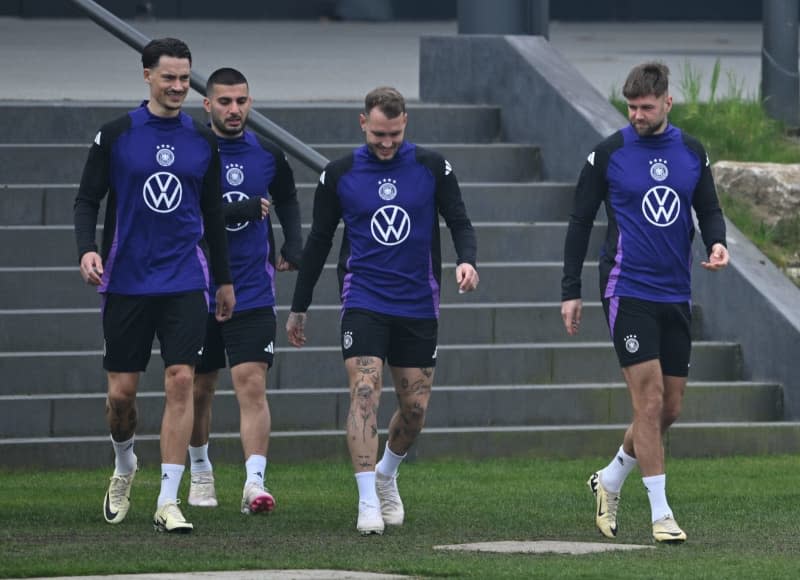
column 225, row 130
column 648, row 129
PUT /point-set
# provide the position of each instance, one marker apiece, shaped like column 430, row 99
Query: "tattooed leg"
column 413, row 388
column 365, row 377
column 121, row 413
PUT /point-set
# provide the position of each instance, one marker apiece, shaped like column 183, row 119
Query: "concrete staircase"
column 508, row 381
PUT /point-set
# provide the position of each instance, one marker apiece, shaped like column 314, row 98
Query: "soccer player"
column 389, row 193
column 649, row 175
column 160, row 170
column 251, row 168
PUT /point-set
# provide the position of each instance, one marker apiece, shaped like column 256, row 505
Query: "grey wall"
column 753, row 303
column 544, row 99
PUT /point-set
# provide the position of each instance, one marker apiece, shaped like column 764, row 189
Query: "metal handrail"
column 256, row 120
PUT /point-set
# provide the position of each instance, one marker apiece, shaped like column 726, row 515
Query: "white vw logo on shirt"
column 231, row 197
column 661, row 206
column 390, row 225
column 162, row 192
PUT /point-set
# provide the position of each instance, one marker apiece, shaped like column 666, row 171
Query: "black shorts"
column 131, row 322
column 643, row 330
column 404, row 342
column 249, row 336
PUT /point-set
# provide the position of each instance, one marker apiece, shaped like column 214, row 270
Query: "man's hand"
column 571, row 315
column 295, row 328
column 225, row 302
column 718, row 259
column 264, row 207
column 466, row 277
column 284, row 265
column 92, row 268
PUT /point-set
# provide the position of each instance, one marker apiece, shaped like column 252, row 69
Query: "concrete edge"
column 543, row 98
column 754, row 303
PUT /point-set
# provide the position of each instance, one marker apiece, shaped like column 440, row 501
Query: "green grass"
column 741, row 515
column 733, row 127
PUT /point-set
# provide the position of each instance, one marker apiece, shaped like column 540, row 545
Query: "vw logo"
column 661, row 206
column 162, row 192
column 231, row 197
column 390, row 225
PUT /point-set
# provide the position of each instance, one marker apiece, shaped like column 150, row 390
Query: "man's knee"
column 120, row 403
column 122, row 389
column 670, row 414
column 180, row 375
column 121, row 412
column 365, row 393
column 674, row 389
column 413, row 410
column 204, row 386
column 250, row 382
column 179, row 383
column 648, row 404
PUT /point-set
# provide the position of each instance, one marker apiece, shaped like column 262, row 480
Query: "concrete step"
column 481, row 323
column 45, row 204
column 471, row 162
column 83, row 415
column 314, row 367
column 62, row 286
column 475, row 443
column 22, row 163
column 31, row 246
column 70, row 122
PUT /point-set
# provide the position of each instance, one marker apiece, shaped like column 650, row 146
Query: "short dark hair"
column 159, row 47
column 225, row 76
column 650, row 78
column 388, row 99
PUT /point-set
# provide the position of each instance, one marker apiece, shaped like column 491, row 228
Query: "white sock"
column 256, row 467
column 124, row 459
column 199, row 460
column 656, row 486
column 389, row 462
column 171, row 475
column 613, row 475
column 366, row 488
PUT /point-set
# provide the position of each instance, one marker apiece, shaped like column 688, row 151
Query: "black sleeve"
column 705, row 201
column 95, row 183
column 327, row 214
column 213, row 218
column 451, row 207
column 242, row 211
column 591, row 190
column 283, row 192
